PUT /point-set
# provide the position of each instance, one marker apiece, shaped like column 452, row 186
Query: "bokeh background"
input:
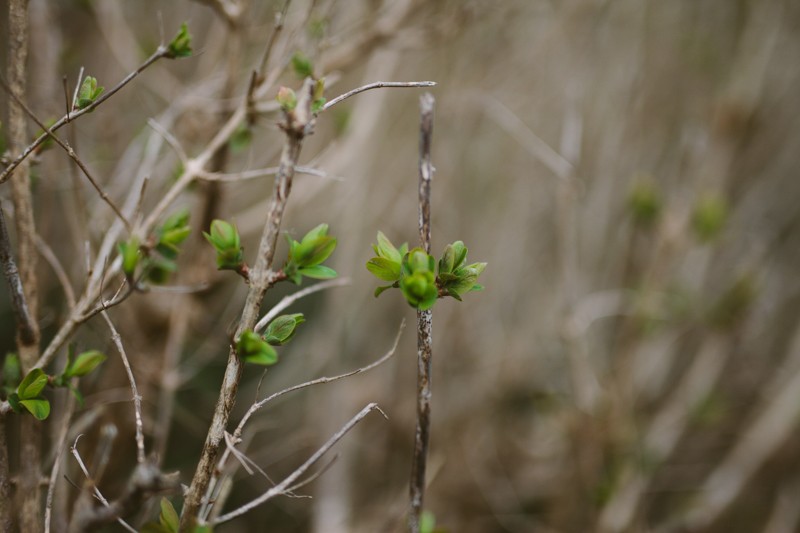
column 628, row 169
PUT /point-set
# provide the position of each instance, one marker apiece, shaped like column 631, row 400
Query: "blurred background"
column 628, row 169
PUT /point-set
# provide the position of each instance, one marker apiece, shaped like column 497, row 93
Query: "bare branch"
column 377, row 85
column 237, row 434
column 137, row 399
column 283, row 486
column 292, row 298
column 96, row 491
column 260, row 173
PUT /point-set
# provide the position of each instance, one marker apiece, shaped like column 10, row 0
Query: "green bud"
column 181, row 45
column 224, row 237
column 89, row 92
column 253, row 349
column 287, row 99
column 420, row 289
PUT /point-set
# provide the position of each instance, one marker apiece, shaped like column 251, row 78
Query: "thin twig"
column 158, row 54
column 286, row 301
column 237, row 434
column 137, row 399
column 282, row 487
column 59, row 447
column 170, row 138
column 424, row 324
column 260, row 173
column 58, row 269
column 376, row 85
column 70, row 152
column 97, row 493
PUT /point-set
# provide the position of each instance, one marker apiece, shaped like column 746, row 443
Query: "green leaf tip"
column 181, row 45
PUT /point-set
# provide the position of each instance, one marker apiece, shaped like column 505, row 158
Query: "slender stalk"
column 424, row 324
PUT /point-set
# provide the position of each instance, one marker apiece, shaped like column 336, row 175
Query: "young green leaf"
column 130, row 253
column 181, row 45
column 302, row 65
column 32, row 385
column 38, row 407
column 168, row 517
column 386, row 249
column 84, row 364
column 317, row 272
column 253, row 349
column 460, row 254
column 282, row 329
column 384, row 269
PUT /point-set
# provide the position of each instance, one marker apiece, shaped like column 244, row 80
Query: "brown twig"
column 424, row 324
column 376, row 85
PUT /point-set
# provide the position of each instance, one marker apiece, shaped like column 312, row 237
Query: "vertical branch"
column 6, row 509
column 297, row 124
column 25, row 325
column 28, row 489
column 424, row 323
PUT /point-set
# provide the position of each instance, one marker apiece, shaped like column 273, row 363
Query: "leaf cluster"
column 419, row 277
column 27, row 393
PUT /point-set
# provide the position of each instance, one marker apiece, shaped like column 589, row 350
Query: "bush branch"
column 424, row 324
